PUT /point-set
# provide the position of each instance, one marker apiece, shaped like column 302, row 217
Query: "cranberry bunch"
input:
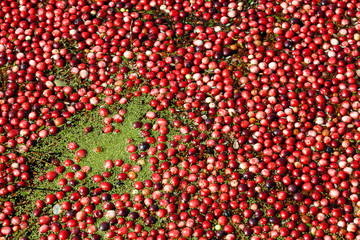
column 253, row 132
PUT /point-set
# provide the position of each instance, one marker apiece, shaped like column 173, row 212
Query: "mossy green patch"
column 113, row 147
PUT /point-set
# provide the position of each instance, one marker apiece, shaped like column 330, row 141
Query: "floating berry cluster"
column 247, row 126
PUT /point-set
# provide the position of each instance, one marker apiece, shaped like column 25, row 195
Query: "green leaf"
column 60, row 83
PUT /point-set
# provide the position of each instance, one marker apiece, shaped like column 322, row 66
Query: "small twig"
column 40, row 189
column 43, row 161
column 32, row 223
column 131, row 37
